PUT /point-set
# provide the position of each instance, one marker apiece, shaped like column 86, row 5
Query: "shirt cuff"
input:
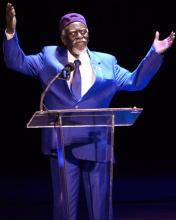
column 9, row 36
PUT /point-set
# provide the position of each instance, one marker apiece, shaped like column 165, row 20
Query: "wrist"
column 10, row 34
column 10, row 30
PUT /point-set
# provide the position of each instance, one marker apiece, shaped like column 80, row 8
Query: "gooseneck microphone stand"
column 64, row 75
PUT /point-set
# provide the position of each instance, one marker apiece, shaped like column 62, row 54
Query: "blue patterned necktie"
column 76, row 82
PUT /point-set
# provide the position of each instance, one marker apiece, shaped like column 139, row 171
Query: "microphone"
column 64, row 75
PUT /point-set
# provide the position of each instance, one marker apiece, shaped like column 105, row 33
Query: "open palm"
column 162, row 45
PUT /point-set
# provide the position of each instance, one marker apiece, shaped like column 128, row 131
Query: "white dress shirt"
column 87, row 74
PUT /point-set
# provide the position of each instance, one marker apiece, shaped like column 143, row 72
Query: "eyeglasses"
column 75, row 33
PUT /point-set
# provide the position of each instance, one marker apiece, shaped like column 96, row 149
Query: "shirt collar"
column 84, row 55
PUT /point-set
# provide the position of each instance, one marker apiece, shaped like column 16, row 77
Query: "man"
column 101, row 78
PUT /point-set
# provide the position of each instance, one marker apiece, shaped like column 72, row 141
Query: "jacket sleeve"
column 18, row 61
column 141, row 76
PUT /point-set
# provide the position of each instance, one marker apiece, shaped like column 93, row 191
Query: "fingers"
column 10, row 18
column 10, row 10
column 170, row 39
column 172, row 36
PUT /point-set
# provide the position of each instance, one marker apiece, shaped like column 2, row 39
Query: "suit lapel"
column 96, row 64
column 62, row 58
column 61, row 55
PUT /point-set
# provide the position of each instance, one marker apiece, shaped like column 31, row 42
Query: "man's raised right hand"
column 10, row 19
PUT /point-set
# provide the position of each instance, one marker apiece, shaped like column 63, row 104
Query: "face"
column 75, row 37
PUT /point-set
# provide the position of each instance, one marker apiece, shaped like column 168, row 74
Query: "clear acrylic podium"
column 104, row 120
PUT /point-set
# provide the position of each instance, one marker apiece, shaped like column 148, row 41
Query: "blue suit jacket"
column 110, row 78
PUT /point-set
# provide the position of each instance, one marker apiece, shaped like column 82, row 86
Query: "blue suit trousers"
column 95, row 178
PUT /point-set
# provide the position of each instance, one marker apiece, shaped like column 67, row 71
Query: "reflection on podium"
column 85, row 129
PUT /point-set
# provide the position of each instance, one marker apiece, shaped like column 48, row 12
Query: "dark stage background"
column 145, row 152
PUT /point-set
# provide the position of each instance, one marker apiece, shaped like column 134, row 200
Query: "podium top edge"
column 133, row 109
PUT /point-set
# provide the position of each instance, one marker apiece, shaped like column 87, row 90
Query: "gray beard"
column 78, row 52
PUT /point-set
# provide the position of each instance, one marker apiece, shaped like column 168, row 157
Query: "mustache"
column 81, row 40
